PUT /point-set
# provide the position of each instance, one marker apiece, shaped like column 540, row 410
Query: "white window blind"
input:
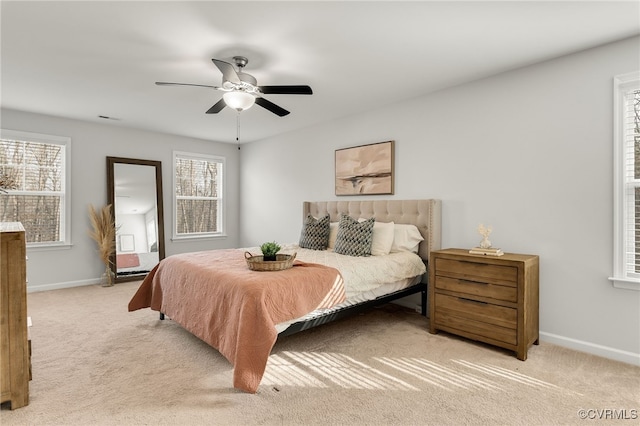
column 198, row 195
column 33, row 185
column 627, row 182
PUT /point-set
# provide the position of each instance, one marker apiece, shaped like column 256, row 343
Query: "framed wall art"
column 127, row 242
column 365, row 169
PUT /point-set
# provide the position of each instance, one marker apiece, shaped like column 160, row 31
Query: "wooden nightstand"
column 492, row 299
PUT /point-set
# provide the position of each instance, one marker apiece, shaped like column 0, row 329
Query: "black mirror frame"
column 111, row 161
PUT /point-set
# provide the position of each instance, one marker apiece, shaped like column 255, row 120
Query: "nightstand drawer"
column 450, row 306
column 477, row 271
column 478, row 329
column 477, row 288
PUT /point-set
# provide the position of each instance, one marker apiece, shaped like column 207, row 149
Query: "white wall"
column 135, row 225
column 528, row 152
column 91, row 143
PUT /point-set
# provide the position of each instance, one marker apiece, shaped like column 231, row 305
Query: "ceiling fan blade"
column 217, row 107
column 271, row 106
column 164, row 83
column 228, row 71
column 286, row 90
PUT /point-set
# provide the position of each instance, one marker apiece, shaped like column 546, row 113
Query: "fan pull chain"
column 238, row 129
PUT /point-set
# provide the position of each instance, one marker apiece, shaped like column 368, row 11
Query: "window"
column 34, row 178
column 198, row 195
column 626, row 269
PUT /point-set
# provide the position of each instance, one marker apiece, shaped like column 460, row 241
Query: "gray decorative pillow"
column 315, row 233
column 354, row 238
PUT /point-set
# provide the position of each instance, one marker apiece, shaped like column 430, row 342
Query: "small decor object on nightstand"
column 485, row 245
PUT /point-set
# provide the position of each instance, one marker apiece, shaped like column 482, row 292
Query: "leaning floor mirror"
column 134, row 189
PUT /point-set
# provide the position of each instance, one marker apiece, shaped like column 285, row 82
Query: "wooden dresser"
column 492, row 299
column 14, row 376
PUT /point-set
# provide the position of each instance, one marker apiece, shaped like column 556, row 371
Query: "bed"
column 242, row 313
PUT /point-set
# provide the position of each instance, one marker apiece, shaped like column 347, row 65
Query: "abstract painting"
column 365, row 169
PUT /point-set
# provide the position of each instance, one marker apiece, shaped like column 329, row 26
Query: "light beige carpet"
column 96, row 363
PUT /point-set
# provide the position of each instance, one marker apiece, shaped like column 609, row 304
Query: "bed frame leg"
column 424, row 302
column 162, row 315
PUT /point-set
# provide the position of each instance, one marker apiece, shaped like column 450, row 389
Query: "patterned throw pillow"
column 354, row 238
column 315, row 233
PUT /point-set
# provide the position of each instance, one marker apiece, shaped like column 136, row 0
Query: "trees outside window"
column 33, row 185
column 198, row 195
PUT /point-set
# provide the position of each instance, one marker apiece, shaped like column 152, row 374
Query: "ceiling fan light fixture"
column 241, row 90
column 239, row 100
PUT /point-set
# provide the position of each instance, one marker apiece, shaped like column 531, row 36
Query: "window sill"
column 49, row 247
column 198, row 237
column 625, row 283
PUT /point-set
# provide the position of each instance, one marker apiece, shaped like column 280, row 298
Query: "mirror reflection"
column 135, row 193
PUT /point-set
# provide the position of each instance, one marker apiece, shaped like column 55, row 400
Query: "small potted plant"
column 269, row 250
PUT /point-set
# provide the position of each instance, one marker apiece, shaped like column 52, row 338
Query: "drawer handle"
column 474, row 263
column 472, row 282
column 472, row 301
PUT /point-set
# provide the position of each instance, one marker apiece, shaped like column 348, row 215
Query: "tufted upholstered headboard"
column 426, row 215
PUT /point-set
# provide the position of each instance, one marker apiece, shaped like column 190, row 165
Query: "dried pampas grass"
column 103, row 232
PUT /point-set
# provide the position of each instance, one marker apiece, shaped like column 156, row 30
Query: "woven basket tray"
column 282, row 262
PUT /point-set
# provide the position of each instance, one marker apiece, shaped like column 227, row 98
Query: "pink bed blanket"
column 215, row 296
column 129, row 260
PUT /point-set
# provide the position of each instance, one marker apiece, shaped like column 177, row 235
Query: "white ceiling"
column 85, row 59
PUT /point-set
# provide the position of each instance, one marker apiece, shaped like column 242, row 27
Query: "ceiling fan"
column 241, row 90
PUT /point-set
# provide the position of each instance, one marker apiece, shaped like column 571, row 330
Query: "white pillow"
column 333, row 234
column 382, row 238
column 383, row 233
column 405, row 238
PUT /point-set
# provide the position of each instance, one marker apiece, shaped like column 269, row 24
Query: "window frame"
column 221, row 199
column 621, row 278
column 65, row 219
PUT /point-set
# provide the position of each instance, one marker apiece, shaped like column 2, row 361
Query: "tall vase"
column 107, row 278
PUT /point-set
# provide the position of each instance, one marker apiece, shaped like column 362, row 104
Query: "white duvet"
column 361, row 274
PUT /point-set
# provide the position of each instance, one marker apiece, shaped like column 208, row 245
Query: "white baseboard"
column 592, row 348
column 57, row 286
